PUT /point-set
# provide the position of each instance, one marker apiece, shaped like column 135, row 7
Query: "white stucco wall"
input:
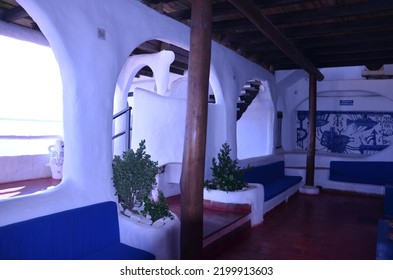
column 19, row 168
column 90, row 68
column 160, row 121
column 255, row 128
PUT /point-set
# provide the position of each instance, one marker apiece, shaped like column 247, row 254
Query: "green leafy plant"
column 134, row 175
column 227, row 175
column 156, row 207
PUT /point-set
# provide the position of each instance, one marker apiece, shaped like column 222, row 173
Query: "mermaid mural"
column 347, row 132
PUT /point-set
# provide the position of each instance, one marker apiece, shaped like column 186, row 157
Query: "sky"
column 30, row 96
column 30, row 81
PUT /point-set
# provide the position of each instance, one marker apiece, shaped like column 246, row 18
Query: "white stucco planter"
column 162, row 241
column 253, row 196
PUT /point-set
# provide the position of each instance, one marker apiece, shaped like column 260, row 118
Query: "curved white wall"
column 161, row 122
column 90, row 68
column 255, row 132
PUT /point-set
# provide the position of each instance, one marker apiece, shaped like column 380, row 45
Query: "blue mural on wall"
column 347, row 132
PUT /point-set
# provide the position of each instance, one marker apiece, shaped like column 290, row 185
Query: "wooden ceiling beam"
column 361, row 56
column 278, row 3
column 362, row 9
column 151, row 46
column 176, row 70
column 342, row 40
column 226, row 9
column 336, row 60
column 158, row 1
column 351, row 48
column 14, row 14
column 340, row 27
column 363, row 62
column 339, row 41
column 356, row 49
column 219, row 9
column 232, row 25
column 248, row 9
column 231, row 28
column 290, row 18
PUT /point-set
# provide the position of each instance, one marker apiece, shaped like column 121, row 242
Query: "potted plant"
column 227, row 175
column 144, row 206
column 229, row 187
column 134, row 178
column 156, row 207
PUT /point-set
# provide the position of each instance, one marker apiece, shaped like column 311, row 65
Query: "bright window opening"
column 31, row 106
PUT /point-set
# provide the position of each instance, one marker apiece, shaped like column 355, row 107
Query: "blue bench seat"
column 362, row 172
column 373, row 173
column 272, row 177
column 384, row 240
column 89, row 232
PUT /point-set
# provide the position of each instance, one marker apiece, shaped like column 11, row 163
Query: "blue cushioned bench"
column 277, row 186
column 366, row 172
column 384, row 240
column 373, row 173
column 89, row 232
column 388, row 201
column 363, row 172
column 385, row 228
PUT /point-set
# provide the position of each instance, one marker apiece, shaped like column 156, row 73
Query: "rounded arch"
column 31, row 108
column 154, row 67
column 168, row 78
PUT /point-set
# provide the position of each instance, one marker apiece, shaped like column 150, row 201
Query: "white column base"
column 309, row 190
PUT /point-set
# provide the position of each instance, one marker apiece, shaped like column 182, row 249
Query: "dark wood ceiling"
column 328, row 33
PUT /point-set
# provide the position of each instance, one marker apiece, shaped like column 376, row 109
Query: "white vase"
column 56, row 158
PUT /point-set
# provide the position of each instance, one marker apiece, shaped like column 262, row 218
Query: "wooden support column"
column 312, row 120
column 193, row 168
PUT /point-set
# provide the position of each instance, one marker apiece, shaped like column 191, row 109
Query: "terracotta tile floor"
column 212, row 220
column 327, row 226
column 12, row 189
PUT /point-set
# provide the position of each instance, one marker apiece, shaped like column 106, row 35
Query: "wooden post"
column 312, row 120
column 193, row 167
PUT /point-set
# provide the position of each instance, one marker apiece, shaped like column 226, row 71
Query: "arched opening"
column 154, row 83
column 129, row 79
column 146, row 70
column 31, row 107
column 254, row 127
